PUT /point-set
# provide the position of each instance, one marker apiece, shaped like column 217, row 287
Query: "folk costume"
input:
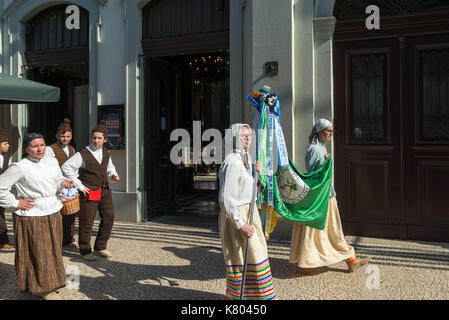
column 62, row 154
column 5, row 161
column 38, row 231
column 91, row 168
column 236, row 183
column 313, row 248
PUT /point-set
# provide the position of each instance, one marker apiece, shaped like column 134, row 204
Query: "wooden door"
column 161, row 100
column 427, row 137
column 368, row 137
column 392, row 136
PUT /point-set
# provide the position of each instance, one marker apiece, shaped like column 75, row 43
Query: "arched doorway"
column 186, row 48
column 392, row 119
column 58, row 56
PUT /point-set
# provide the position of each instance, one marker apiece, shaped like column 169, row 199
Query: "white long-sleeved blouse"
column 236, row 184
column 33, row 179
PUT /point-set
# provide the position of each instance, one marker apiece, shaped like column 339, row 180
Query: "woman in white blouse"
column 236, row 182
column 37, row 222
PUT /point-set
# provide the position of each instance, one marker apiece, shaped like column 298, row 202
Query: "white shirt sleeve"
column 111, row 168
column 49, row 152
column 230, row 193
column 71, row 167
column 9, row 178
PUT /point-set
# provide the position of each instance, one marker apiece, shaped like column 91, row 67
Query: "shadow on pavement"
column 127, row 281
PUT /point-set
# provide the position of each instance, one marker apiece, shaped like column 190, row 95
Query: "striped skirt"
column 38, row 255
column 259, row 282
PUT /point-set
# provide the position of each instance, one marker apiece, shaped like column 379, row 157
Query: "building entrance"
column 183, row 91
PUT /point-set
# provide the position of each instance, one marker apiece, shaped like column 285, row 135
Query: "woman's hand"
column 115, row 178
column 248, row 230
column 327, row 156
column 25, row 204
column 258, row 167
column 68, row 184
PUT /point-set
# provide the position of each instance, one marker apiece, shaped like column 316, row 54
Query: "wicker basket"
column 71, row 206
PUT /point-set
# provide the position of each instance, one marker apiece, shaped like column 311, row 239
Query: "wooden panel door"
column 427, row 143
column 368, row 137
column 160, row 119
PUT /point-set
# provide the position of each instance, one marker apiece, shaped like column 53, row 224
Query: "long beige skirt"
column 38, row 257
column 258, row 282
column 313, row 248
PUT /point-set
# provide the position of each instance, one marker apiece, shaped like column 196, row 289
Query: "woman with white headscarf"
column 312, row 248
column 236, row 182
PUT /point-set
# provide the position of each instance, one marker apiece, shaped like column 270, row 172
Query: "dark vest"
column 5, row 163
column 60, row 154
column 94, row 175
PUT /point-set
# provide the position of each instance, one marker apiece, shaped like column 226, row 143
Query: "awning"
column 15, row 90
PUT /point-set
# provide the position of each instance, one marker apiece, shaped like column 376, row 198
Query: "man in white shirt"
column 62, row 151
column 5, row 161
column 90, row 169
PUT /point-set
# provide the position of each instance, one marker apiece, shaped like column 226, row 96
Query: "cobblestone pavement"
column 166, row 260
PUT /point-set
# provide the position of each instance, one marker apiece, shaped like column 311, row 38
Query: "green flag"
column 312, row 209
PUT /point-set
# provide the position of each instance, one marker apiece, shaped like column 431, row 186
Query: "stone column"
column 303, row 78
column 323, row 29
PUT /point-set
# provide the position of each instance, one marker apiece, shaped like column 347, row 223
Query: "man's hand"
column 25, row 204
column 327, row 156
column 86, row 191
column 248, row 230
column 115, row 178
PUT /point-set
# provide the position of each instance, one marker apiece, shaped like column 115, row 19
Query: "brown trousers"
column 88, row 211
column 3, row 228
column 68, row 229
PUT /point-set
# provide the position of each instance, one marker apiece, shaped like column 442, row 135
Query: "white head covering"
column 233, row 143
column 319, row 126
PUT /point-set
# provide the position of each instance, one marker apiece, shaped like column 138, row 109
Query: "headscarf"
column 30, row 137
column 319, row 126
column 27, row 140
column 232, row 142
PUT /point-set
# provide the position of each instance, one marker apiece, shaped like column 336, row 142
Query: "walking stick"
column 253, row 203
column 245, row 264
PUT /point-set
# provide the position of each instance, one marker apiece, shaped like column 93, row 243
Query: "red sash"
column 95, row 195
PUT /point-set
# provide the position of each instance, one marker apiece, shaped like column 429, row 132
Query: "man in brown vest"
column 4, row 163
column 62, row 151
column 90, row 169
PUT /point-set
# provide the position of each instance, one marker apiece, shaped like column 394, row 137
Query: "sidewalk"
column 178, row 258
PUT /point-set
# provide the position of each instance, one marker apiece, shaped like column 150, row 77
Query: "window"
column 435, row 95
column 367, row 99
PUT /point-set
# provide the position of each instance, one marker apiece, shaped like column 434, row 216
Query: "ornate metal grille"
column 355, row 9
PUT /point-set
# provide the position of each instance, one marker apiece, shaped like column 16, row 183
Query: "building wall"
column 288, row 31
column 113, row 54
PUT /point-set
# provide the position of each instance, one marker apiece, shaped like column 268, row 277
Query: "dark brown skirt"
column 38, row 255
